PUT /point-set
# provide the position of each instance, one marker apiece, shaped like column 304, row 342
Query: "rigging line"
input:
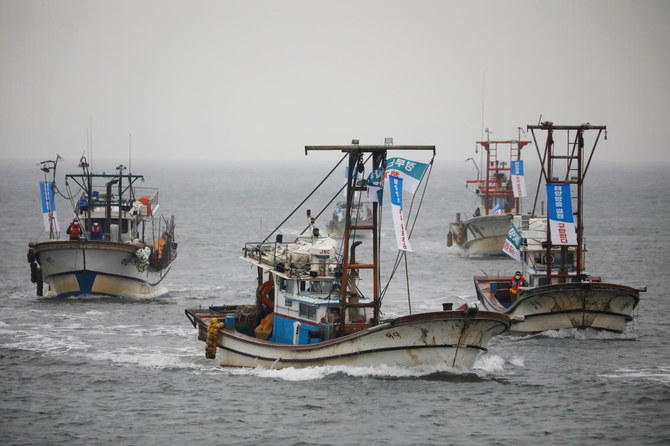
column 331, row 200
column 306, row 198
column 423, row 193
column 409, row 298
column 70, row 197
column 541, row 177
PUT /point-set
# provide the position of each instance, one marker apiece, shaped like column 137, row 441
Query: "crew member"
column 517, row 281
column 96, row 231
column 74, row 230
column 159, row 245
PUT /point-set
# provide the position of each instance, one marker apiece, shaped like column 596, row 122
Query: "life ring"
column 265, row 293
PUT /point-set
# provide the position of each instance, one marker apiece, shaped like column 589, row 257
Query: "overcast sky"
column 262, row 79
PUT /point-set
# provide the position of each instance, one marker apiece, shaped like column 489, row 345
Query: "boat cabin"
column 563, row 259
column 123, row 223
column 300, row 285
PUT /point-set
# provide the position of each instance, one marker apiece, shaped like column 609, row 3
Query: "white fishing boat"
column 318, row 300
column 555, row 290
column 116, row 244
column 361, row 213
column 483, row 234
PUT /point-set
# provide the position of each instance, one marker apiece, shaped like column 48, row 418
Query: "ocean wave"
column 586, row 334
column 644, row 374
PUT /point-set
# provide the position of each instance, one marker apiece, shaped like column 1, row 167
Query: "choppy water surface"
column 123, row 372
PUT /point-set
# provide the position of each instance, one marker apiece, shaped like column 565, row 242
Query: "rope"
column 409, row 298
column 334, row 197
column 303, row 201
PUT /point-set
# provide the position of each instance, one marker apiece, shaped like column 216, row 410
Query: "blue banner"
column 517, row 177
column 402, row 238
column 561, row 220
column 47, row 193
column 49, row 207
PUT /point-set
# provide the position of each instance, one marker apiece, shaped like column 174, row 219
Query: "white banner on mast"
column 395, row 189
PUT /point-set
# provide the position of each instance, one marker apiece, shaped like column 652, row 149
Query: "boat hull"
column 482, row 236
column 450, row 338
column 596, row 305
column 72, row 268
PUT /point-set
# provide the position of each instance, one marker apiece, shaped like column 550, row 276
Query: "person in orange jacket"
column 517, row 281
column 74, row 230
column 96, row 231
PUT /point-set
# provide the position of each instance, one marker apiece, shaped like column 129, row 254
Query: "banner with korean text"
column 518, row 181
column 561, row 220
column 374, row 186
column 395, row 189
column 49, row 207
column 402, row 174
column 512, row 245
column 411, row 172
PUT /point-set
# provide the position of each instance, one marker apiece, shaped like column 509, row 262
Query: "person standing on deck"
column 517, row 281
column 96, row 232
column 74, row 230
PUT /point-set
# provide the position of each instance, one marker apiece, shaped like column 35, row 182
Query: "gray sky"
column 261, row 79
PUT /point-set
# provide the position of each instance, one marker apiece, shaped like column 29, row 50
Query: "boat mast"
column 349, row 268
column 576, row 168
column 496, row 170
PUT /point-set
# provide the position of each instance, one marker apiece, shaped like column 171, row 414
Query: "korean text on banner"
column 48, row 207
column 410, row 171
column 561, row 221
column 395, row 188
column 518, row 181
column 512, row 245
column 374, row 186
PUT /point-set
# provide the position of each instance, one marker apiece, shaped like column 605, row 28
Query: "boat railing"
column 147, row 196
column 149, row 192
column 283, row 259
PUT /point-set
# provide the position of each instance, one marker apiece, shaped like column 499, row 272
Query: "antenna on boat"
column 90, row 140
column 476, row 166
column 483, row 79
column 130, row 152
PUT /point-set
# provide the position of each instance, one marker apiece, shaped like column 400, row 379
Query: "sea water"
column 95, row 370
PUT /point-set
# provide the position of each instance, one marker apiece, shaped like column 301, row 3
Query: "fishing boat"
column 361, row 213
column 553, row 290
column 318, row 300
column 499, row 194
column 116, row 244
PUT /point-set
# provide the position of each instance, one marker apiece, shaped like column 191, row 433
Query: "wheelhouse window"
column 322, row 286
column 307, row 311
